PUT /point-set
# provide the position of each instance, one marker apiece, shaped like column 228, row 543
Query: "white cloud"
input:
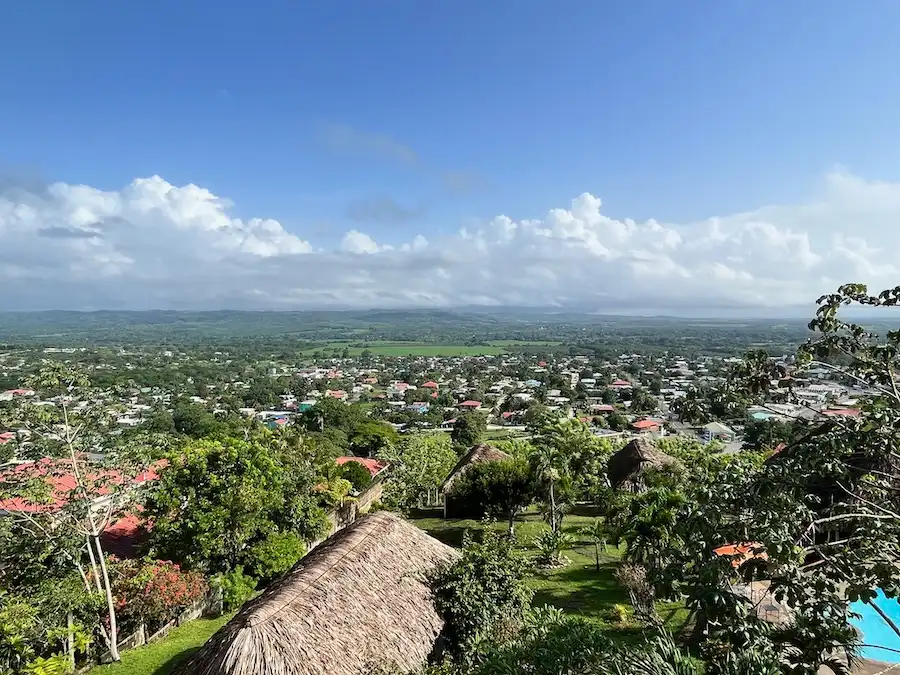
column 153, row 244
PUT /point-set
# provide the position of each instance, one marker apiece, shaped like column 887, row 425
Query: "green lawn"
column 161, row 658
column 578, row 587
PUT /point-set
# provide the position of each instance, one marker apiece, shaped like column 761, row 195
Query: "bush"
column 237, row 587
column 155, row 591
column 275, row 554
column 357, row 474
column 481, row 594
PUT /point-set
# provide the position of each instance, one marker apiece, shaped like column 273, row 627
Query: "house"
column 620, row 384
column 358, row 601
column 470, row 405
column 339, row 394
column 61, row 483
column 10, row 394
column 841, row 412
column 602, row 408
column 430, row 385
column 374, row 466
column 418, row 407
column 716, row 431
column 7, row 437
column 647, row 427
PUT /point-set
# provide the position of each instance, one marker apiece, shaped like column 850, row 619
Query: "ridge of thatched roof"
column 477, row 454
column 639, row 454
column 358, row 601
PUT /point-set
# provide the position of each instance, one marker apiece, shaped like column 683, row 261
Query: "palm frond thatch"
column 357, row 602
column 476, row 455
column 625, row 467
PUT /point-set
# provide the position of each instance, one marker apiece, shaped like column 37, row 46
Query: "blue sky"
column 412, row 117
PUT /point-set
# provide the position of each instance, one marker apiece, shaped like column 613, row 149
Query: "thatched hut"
column 626, row 467
column 356, row 603
column 477, row 454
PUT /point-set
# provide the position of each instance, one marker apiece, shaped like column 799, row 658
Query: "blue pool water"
column 876, row 632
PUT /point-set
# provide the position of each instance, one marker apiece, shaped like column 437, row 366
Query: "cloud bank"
column 155, row 245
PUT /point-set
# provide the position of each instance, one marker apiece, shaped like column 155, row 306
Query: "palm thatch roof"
column 625, row 467
column 477, row 454
column 357, row 602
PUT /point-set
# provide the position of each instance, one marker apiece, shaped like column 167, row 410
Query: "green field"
column 409, row 348
column 161, row 658
column 578, row 587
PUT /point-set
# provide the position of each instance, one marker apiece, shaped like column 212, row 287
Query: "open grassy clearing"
column 383, row 348
column 578, row 588
column 407, row 348
column 161, row 658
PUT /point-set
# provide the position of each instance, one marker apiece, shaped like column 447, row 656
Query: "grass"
column 578, row 588
column 384, row 348
column 161, row 658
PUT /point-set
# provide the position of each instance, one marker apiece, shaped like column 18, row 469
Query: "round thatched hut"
column 625, row 467
column 477, row 454
column 356, row 603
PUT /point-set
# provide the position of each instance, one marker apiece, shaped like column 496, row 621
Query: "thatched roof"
column 626, row 466
column 356, row 602
column 476, row 455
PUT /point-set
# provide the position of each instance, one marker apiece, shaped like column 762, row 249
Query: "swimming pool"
column 875, row 631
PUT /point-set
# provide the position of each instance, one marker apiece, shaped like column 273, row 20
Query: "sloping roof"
column 476, row 455
column 356, row 602
column 61, row 482
column 373, row 465
column 645, row 424
column 626, row 465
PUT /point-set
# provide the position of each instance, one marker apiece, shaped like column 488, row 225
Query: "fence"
column 349, row 511
column 209, row 605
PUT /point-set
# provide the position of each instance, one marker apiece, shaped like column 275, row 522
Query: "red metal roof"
column 62, row 482
column 470, row 404
column 645, row 424
column 431, row 385
column 841, row 412
column 741, row 553
column 373, row 465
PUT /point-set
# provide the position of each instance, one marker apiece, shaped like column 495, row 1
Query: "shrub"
column 275, row 554
column 236, row 586
column 357, row 474
column 482, row 593
column 155, row 591
column 551, row 544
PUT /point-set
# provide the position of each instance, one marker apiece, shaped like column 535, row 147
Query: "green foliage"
column 274, row 555
column 369, row 439
column 154, row 591
column 494, row 489
column 482, row 593
column 419, row 463
column 468, row 430
column 357, row 474
column 217, row 499
column 237, row 587
column 550, row 545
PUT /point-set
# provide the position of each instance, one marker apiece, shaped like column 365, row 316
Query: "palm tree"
column 547, row 461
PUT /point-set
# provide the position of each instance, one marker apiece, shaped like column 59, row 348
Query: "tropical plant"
column 550, row 545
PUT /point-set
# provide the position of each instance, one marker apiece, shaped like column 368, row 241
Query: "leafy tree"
column 195, row 420
column 68, row 531
column 598, row 534
column 419, row 464
column 495, row 489
column 217, row 499
column 468, row 430
column 274, row 555
column 357, row 474
column 369, row 439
